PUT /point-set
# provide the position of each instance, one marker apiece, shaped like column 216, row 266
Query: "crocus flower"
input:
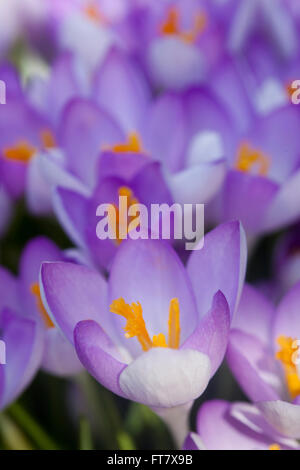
column 95, row 20
column 235, row 426
column 263, row 354
column 23, row 344
column 176, row 320
column 279, row 26
column 22, row 296
column 177, row 43
column 261, row 188
column 133, row 176
column 24, row 133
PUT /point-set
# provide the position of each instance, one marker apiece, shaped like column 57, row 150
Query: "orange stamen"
column 35, row 290
column 92, row 11
column 287, row 355
column 133, row 145
column 274, row 447
column 122, row 221
column 249, row 158
column 174, row 324
column 171, row 27
column 136, row 326
column 48, row 139
column 21, row 152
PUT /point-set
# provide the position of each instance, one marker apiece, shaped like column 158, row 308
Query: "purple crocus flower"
column 24, row 133
column 175, row 336
column 180, row 131
column 263, row 354
column 278, row 26
column 177, row 43
column 21, row 296
column 21, row 343
column 235, row 426
column 133, row 176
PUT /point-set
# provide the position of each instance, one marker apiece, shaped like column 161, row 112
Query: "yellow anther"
column 92, row 11
column 159, row 341
column 122, row 219
column 287, row 355
column 133, row 145
column 35, row 290
column 249, row 158
column 274, row 447
column 21, row 152
column 174, row 324
column 171, row 26
column 48, row 139
column 136, row 326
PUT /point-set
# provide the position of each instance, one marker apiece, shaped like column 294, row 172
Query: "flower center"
column 35, row 290
column 136, row 326
column 48, row 139
column 122, row 224
column 92, row 11
column 288, row 356
column 132, row 145
column 249, row 158
column 274, row 447
column 171, row 26
column 23, row 151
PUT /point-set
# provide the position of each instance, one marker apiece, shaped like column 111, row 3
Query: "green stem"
column 85, row 435
column 12, row 436
column 31, row 427
column 103, row 406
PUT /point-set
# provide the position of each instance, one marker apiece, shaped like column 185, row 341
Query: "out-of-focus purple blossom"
column 23, row 339
column 21, row 297
column 235, row 426
column 263, row 354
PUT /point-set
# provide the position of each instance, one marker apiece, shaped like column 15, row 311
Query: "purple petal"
column 8, row 291
column 233, row 433
column 287, row 321
column 35, row 252
column 59, row 356
column 211, row 336
column 254, row 367
column 254, row 314
column 247, row 197
column 24, row 346
column 121, row 89
column 96, row 352
column 72, row 293
column 85, row 130
column 219, row 265
column 283, row 416
column 165, row 131
column 70, row 207
column 284, row 208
